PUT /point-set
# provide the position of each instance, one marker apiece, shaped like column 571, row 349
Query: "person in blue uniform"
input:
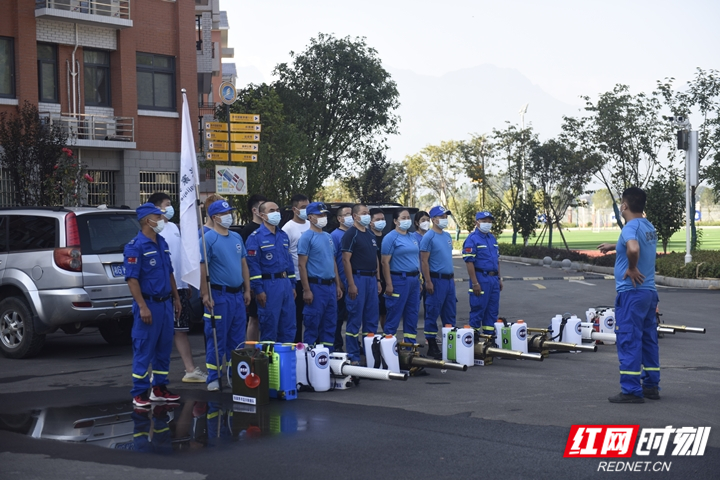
column 401, row 269
column 377, row 227
column 272, row 277
column 226, row 298
column 482, row 258
column 362, row 272
column 319, row 276
column 437, row 269
column 148, row 273
column 636, row 302
column 345, row 221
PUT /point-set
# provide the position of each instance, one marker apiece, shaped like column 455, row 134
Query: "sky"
column 566, row 48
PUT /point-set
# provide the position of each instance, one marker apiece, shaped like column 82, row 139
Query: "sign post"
column 228, row 95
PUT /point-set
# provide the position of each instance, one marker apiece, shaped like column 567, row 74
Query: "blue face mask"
column 365, row 220
column 303, row 214
column 348, row 221
column 380, row 225
column 442, row 223
column 169, row 212
column 274, row 218
column 405, row 225
column 485, row 227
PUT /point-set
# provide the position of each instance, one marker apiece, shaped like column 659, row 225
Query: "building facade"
column 110, row 72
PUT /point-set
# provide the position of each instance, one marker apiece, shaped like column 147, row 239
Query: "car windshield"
column 106, row 232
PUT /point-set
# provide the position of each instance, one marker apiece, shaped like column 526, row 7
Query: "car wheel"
column 117, row 331
column 17, row 332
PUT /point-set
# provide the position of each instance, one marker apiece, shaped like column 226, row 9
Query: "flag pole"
column 207, row 266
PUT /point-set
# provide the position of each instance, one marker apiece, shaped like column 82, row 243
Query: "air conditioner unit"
column 114, row 8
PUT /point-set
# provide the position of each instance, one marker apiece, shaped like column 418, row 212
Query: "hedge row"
column 705, row 264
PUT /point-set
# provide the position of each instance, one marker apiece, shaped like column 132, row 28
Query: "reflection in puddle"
column 164, row 428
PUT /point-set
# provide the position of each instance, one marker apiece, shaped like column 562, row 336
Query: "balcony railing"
column 115, row 11
column 94, row 130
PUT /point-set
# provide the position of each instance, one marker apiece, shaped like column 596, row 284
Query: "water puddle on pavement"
column 163, row 428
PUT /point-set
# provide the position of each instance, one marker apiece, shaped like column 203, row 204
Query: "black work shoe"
column 433, row 351
column 651, row 393
column 626, row 398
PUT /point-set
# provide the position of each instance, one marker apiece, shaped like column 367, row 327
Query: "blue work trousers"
column 320, row 317
column 362, row 312
column 485, row 308
column 230, row 326
column 403, row 302
column 152, row 344
column 637, row 340
column 442, row 303
column 277, row 317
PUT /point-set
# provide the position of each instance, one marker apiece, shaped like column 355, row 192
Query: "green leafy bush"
column 705, row 264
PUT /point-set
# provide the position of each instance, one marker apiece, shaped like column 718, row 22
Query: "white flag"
column 190, row 266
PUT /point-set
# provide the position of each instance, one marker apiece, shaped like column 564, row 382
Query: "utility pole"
column 687, row 140
column 522, row 112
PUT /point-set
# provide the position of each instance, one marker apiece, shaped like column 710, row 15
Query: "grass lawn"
column 586, row 239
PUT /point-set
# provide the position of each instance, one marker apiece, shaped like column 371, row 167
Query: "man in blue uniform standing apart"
column 345, row 221
column 319, row 276
column 225, row 299
column 148, row 273
column 272, row 277
column 362, row 271
column 636, row 301
column 437, row 269
column 482, row 258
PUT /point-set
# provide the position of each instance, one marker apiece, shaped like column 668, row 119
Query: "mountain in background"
column 473, row 100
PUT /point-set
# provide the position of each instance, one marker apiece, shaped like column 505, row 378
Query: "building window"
column 47, row 73
column 7, row 67
column 155, row 81
column 97, row 77
column 101, row 191
column 152, row 182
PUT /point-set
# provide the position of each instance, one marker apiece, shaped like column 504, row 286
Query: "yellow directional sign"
column 234, row 137
column 235, row 147
column 234, row 127
column 245, row 117
column 236, row 157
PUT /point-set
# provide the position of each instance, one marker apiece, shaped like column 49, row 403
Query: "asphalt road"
column 507, row 420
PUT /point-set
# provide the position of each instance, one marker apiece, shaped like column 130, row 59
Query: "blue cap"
column 147, row 209
column 219, row 206
column 316, row 208
column 438, row 210
column 481, row 215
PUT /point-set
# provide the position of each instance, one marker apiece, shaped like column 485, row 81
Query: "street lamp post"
column 522, row 112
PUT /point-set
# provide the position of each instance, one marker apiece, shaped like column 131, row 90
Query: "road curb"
column 659, row 279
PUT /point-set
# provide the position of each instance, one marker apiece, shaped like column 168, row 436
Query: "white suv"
column 63, row 268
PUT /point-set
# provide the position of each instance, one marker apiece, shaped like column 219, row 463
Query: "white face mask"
column 405, row 225
column 442, row 223
column 425, row 225
column 321, row 222
column 159, row 227
column 226, row 220
column 169, row 212
column 274, row 218
column 485, row 227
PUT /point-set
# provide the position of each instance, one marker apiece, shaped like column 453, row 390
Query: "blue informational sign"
column 698, row 215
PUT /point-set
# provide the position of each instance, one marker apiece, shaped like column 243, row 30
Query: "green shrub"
column 705, row 264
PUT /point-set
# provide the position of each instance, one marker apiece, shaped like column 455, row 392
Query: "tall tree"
column 700, row 98
column 377, row 183
column 560, row 175
column 506, row 186
column 665, row 207
column 281, row 170
column 626, row 132
column 411, row 174
column 442, row 172
column 476, row 155
column 341, row 99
